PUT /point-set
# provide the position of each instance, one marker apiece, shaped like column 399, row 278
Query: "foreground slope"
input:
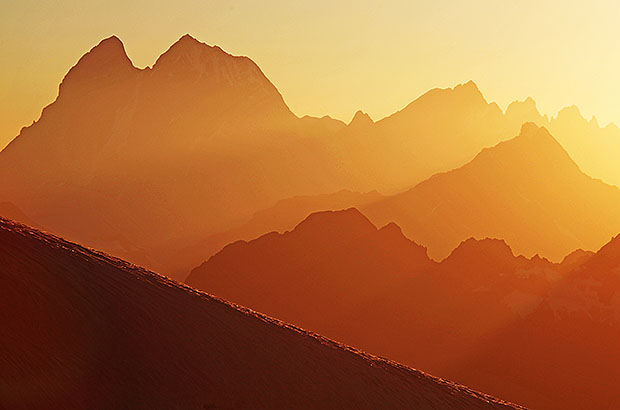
column 84, row 330
column 535, row 332
column 526, row 190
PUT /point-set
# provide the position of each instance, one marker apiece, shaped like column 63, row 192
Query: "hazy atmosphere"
column 334, row 57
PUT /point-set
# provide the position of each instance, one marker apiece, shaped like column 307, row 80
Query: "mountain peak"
column 107, row 61
column 110, row 49
column 481, row 249
column 191, row 59
column 346, row 221
column 571, row 114
column 190, row 52
column 533, row 144
column 527, row 106
column 470, row 87
column 188, row 38
column 361, row 119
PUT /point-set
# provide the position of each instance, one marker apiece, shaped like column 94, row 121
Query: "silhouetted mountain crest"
column 106, row 63
column 570, row 114
column 535, row 143
column 191, row 58
column 348, row 221
column 520, row 112
column 462, row 93
column 361, row 119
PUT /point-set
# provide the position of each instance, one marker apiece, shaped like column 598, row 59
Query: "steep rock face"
column 109, row 334
column 519, row 190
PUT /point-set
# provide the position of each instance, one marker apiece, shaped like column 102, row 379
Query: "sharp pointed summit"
column 361, row 119
column 106, row 63
column 518, row 190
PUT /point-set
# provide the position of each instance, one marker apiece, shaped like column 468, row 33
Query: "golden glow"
column 334, row 57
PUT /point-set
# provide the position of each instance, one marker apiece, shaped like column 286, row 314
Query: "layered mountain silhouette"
column 84, row 330
column 594, row 148
column 128, row 158
column 132, row 160
column 177, row 259
column 527, row 191
column 527, row 329
column 438, row 131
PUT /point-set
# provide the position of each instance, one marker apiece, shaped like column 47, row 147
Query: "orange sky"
column 334, row 57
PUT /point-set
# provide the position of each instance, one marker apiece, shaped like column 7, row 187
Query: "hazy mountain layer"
column 527, row 191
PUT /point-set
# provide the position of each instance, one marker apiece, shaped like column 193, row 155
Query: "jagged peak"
column 570, row 113
column 464, row 94
column 361, row 118
column 483, row 249
column 527, row 105
column 576, row 257
column 468, row 87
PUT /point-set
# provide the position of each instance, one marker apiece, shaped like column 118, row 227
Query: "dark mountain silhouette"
column 527, row 329
column 85, row 330
column 178, row 259
column 526, row 190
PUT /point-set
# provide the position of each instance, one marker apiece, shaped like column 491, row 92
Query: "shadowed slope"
column 526, row 190
column 84, row 330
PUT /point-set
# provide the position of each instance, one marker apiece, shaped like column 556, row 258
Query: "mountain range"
column 526, row 190
column 133, row 161
column 527, row 329
column 82, row 329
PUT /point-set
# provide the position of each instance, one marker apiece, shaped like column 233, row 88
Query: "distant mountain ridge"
column 526, row 190
column 522, row 328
